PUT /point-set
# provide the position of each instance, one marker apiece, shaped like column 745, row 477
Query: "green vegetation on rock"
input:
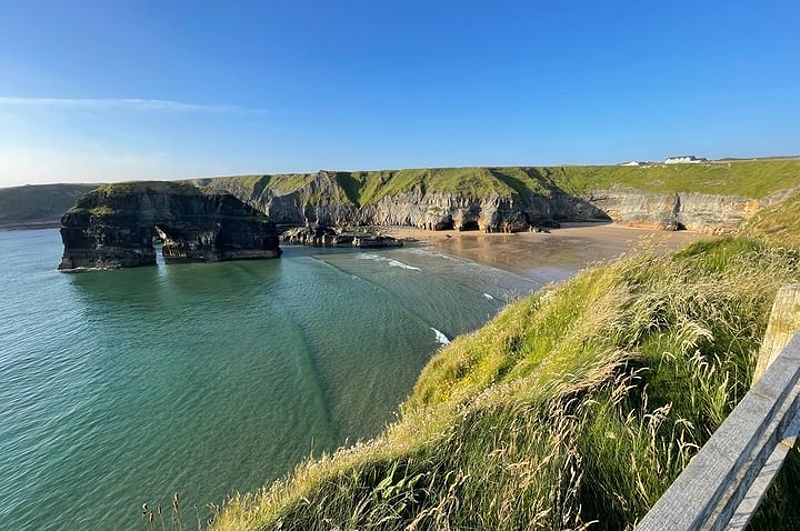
column 578, row 404
column 130, row 187
column 102, row 211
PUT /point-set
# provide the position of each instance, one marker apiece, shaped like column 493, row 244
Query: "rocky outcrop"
column 115, row 226
column 324, row 236
column 376, row 241
column 316, row 235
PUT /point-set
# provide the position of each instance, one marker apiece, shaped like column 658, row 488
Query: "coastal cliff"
column 462, row 199
column 691, row 211
column 115, row 226
column 712, row 198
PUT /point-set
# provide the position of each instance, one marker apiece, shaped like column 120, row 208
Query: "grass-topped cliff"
column 746, row 179
column 98, row 201
column 709, row 197
column 750, row 179
column 576, row 406
column 151, row 187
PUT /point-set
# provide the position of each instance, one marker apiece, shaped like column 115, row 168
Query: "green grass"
column 576, row 406
column 125, row 188
column 751, row 179
column 778, row 224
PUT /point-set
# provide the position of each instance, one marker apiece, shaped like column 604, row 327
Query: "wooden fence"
column 724, row 483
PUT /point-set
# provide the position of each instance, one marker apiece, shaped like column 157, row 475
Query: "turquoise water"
column 124, row 386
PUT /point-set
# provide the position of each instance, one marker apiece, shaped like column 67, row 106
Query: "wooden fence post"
column 784, row 323
column 723, row 485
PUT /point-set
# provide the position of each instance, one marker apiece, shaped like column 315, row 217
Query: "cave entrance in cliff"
column 470, row 225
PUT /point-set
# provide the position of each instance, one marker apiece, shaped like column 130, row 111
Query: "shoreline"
column 548, row 257
column 542, row 257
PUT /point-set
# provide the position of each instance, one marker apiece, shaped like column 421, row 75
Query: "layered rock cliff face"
column 321, row 198
column 316, row 199
column 692, row 211
column 115, row 226
column 494, row 213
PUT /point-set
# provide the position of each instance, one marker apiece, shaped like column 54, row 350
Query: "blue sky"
column 101, row 90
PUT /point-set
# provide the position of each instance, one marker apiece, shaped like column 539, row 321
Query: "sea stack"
column 115, row 226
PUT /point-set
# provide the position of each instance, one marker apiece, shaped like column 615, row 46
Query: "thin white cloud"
column 32, row 164
column 119, row 104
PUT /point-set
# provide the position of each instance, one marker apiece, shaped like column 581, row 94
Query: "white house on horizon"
column 684, row 159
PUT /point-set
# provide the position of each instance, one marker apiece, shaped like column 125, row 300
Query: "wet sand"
column 544, row 257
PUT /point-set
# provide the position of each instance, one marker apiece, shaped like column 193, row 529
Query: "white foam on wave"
column 440, row 337
column 392, row 262
column 488, row 296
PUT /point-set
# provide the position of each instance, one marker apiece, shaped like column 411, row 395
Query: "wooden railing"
column 724, row 483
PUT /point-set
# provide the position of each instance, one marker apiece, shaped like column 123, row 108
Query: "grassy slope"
column 577, row 404
column 755, row 179
column 38, row 204
column 779, row 224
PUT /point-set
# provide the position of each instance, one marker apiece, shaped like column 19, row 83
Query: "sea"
column 124, row 387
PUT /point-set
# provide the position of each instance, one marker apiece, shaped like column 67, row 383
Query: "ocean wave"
column 488, row 296
column 440, row 337
column 392, row 262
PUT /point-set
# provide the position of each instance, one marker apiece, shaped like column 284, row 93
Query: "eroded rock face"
column 319, row 201
column 115, row 226
column 691, row 211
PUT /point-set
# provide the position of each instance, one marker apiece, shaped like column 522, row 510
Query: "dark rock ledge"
column 324, row 236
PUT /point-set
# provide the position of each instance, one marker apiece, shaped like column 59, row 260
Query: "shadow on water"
column 222, row 282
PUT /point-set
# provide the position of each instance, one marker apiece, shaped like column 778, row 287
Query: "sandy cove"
column 548, row 257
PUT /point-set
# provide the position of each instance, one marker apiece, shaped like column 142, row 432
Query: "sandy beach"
column 548, row 257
